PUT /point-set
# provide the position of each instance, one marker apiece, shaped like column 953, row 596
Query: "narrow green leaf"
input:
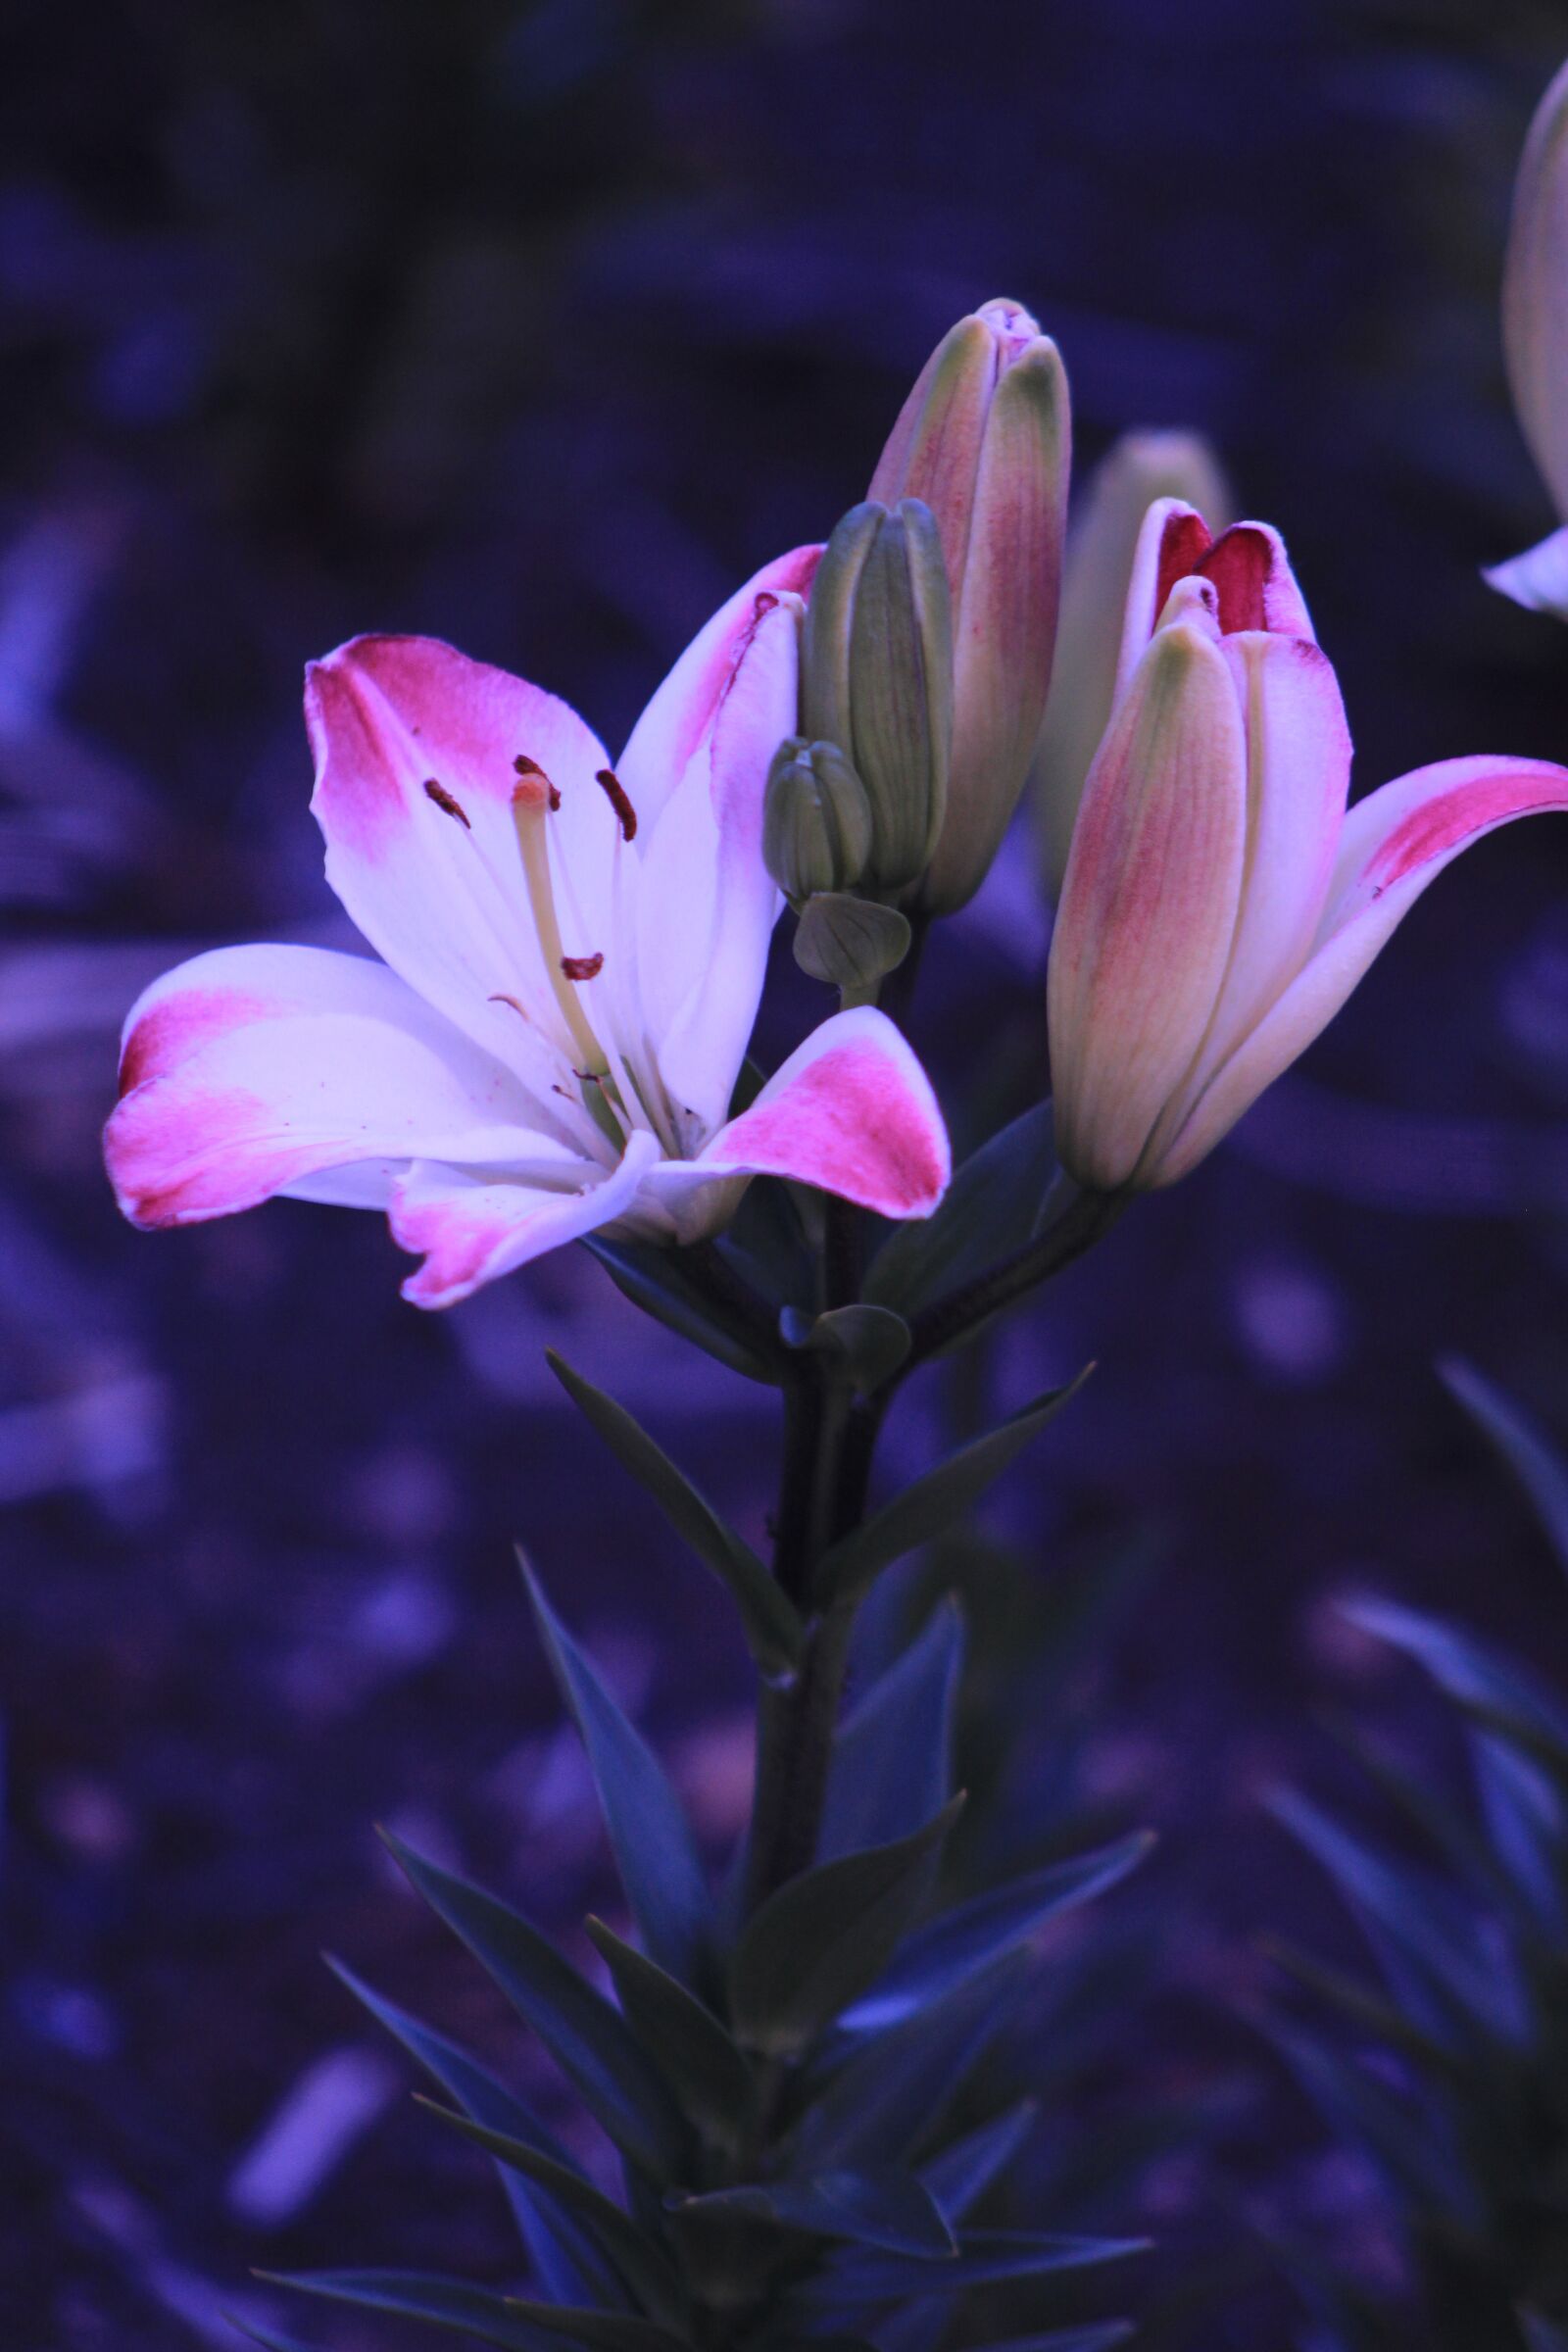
column 890, row 2095
column 1403, row 2140
column 644, row 2270
column 566, row 2258
column 961, row 2173
column 991, row 1208
column 772, row 1625
column 1495, row 1689
column 704, row 2070
column 421, row 2295
column 587, row 2039
column 603, row 2331
column 1524, row 1446
column 971, row 1935
column 887, row 2209
column 933, row 1502
column 658, row 1282
column 891, row 1757
column 985, row 2258
column 825, row 1936
column 654, row 1850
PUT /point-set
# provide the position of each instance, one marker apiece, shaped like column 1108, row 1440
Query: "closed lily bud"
column 816, row 820
column 1220, row 903
column 985, row 440
column 1535, row 334
column 877, row 678
column 1140, row 468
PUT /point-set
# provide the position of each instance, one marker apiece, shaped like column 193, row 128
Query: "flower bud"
column 851, row 942
column 1140, row 468
column 1535, row 336
column 816, row 820
column 984, row 439
column 877, row 678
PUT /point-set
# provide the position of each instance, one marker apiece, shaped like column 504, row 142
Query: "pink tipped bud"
column 984, row 440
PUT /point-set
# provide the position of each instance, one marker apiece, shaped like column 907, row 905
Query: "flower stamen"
column 532, row 798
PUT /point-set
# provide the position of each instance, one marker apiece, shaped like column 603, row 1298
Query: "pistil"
column 531, row 802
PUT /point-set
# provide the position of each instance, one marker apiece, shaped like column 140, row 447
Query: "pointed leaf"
column 992, row 1207
column 974, row 1934
column 643, row 2266
column 1402, row 2139
column 566, row 2258
column 985, row 2258
column 419, row 2295
column 772, row 1625
column 825, row 1936
column 654, row 1850
column 960, row 2176
column 1523, row 1445
column 892, row 1758
column 933, row 1502
column 587, row 2039
column 887, row 2209
column 706, row 2073
column 1494, row 1689
column 893, row 2092
column 662, row 1284
column 603, row 2331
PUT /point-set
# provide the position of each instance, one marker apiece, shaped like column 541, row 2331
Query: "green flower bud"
column 816, row 819
column 878, row 677
column 851, row 942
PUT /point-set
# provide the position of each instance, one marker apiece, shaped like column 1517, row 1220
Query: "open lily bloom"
column 1220, row 903
column 573, row 959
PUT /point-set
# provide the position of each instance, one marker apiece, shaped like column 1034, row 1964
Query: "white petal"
column 1537, row 579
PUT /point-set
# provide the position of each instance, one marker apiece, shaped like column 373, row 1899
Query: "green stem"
column 1078, row 1224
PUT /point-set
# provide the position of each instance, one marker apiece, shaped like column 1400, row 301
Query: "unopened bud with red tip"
column 876, row 678
column 985, row 440
column 1140, row 468
column 816, row 820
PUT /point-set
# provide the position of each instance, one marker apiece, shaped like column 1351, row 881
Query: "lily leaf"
column 985, row 2258
column 823, row 1936
column 657, row 1281
column 421, row 2295
column 644, row 2270
column 933, row 1502
column 654, row 1850
column 588, row 2041
column 964, row 2170
column 887, row 2209
column 704, row 2070
column 773, row 1628
column 892, row 1758
column 971, row 1935
column 567, row 2258
column 992, row 1207
column 1523, row 1445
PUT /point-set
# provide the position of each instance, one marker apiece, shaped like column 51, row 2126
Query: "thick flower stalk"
column 1220, row 903
column 1535, row 336
column 1101, row 548
column 984, row 440
column 572, row 961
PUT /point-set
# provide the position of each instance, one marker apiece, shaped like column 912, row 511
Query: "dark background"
column 538, row 327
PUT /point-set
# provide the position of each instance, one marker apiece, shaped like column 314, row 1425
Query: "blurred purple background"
column 538, row 327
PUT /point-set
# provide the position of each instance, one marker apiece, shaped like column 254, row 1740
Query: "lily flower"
column 1535, row 337
column 1220, row 903
column 572, row 958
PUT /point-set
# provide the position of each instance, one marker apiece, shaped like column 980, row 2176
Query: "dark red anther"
column 583, row 968
column 444, row 799
column 616, row 795
column 522, row 766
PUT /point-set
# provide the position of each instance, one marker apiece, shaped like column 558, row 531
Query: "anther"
column 583, row 968
column 444, row 799
column 619, row 800
column 522, row 766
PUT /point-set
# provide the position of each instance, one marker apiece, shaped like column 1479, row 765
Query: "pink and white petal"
column 1537, row 579
column 1396, row 842
column 414, row 749
column 666, row 738
column 851, row 1111
column 1170, row 546
column 1148, row 905
column 470, row 1231
column 257, row 1108
column 1297, row 777
column 1258, row 589
column 706, row 903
